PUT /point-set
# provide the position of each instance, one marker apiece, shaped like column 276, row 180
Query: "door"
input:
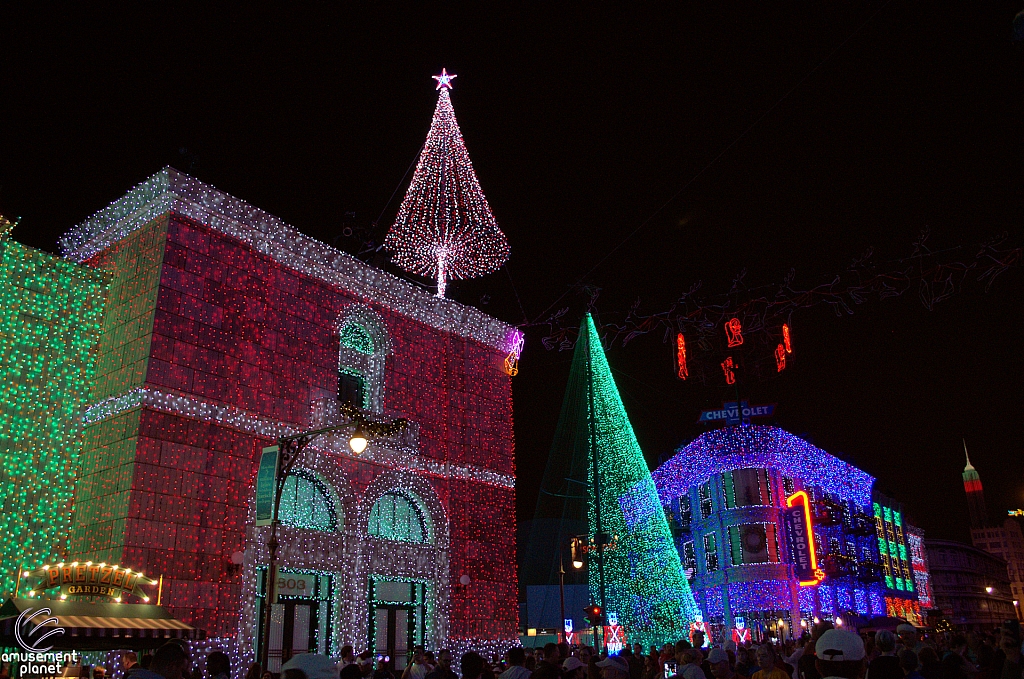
column 393, row 634
column 293, row 630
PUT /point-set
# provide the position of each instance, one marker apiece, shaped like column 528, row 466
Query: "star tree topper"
column 444, row 80
column 444, row 228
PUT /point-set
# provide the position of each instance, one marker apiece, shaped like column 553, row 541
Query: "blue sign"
column 731, row 414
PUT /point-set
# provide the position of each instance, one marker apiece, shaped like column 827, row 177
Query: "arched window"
column 396, row 517
column 363, row 346
column 306, row 503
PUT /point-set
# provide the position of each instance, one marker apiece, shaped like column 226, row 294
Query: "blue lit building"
column 725, row 494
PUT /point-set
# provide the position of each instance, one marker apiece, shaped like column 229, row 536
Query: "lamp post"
column 289, row 450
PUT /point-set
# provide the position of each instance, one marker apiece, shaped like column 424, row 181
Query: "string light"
column 171, row 191
column 729, row 369
column 780, row 358
column 734, row 332
column 682, row 372
column 785, row 338
column 50, row 314
column 645, row 586
column 225, row 332
column 444, row 228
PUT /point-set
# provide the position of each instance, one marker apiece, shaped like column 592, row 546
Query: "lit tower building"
column 1005, row 541
column 975, row 495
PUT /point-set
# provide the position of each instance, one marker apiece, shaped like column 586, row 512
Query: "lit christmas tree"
column 445, row 229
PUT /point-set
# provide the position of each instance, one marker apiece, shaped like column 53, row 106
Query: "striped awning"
column 92, row 626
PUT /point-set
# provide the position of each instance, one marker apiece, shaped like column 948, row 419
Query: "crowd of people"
column 824, row 653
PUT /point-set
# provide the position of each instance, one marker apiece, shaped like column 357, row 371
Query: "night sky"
column 762, row 138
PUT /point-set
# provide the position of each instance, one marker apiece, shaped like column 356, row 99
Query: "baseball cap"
column 717, row 655
column 616, row 662
column 838, row 645
column 572, row 663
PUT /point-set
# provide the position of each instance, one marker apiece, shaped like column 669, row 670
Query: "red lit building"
column 227, row 328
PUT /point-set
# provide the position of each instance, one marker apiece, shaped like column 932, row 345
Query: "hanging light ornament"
column 444, row 228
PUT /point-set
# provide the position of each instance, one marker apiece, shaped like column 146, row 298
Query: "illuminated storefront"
column 774, row 532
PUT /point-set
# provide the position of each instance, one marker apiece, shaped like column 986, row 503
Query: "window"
column 352, row 389
column 305, row 503
column 356, row 337
column 685, row 513
column 788, row 485
column 710, row 553
column 746, row 488
column 704, row 495
column 753, row 543
column 395, row 517
column 689, row 560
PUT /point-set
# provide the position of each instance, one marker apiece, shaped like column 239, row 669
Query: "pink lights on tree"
column 444, row 228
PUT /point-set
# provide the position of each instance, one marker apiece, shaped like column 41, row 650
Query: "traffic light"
column 594, row 615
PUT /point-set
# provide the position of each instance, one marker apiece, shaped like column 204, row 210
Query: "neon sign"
column 728, row 368
column 682, row 372
column 734, row 332
column 780, row 357
column 797, row 519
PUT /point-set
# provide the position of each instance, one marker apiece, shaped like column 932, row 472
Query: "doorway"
column 300, row 621
column 397, row 620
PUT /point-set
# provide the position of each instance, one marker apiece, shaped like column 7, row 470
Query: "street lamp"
column 988, row 590
column 289, row 449
column 576, row 550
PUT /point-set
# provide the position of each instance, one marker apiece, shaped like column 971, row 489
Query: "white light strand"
column 172, row 191
column 394, row 453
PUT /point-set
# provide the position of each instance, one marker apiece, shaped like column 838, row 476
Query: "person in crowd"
column 1009, row 644
column 146, row 661
column 563, row 652
column 443, row 668
column 744, row 663
column 99, row 672
column 689, row 664
column 573, row 668
column 807, row 667
column 383, row 672
column 839, row 654
column 765, row 656
column 170, row 661
column 429, row 661
column 636, row 665
column 129, row 660
column 909, row 638
column 531, row 662
column 218, row 666
column 548, row 668
column 515, row 658
column 418, row 668
column 885, row 665
column 362, row 667
column 472, row 664
column 652, row 668
column 254, row 671
column 309, row 666
column 614, row 667
column 348, row 656
column 953, row 665
column 720, row 665
column 908, row 663
column 985, row 657
column 931, row 666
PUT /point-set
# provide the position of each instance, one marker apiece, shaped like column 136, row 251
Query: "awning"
column 97, row 626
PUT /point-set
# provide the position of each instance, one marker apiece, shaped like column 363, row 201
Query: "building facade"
column 50, row 315
column 971, row 586
column 228, row 328
column 727, row 494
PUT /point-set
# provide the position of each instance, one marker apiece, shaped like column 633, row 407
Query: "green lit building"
column 50, row 315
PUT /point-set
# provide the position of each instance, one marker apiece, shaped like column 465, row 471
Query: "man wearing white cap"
column 720, row 667
column 839, row 655
column 614, row 667
column 908, row 638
